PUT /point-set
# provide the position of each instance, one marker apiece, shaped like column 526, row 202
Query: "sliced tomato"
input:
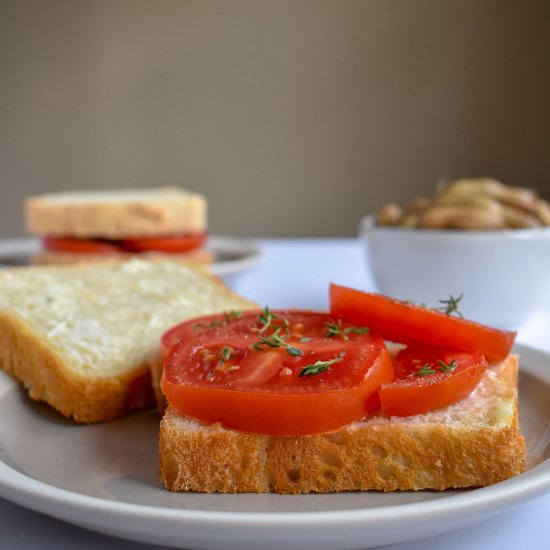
column 409, row 324
column 312, row 383
column 428, row 379
column 79, row 246
column 208, row 326
column 168, row 244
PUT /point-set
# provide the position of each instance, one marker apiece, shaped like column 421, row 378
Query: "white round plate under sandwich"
column 109, row 483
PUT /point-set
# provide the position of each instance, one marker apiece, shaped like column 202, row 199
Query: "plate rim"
column 15, row 486
column 250, row 250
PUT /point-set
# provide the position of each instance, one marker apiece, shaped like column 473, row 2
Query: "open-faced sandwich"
column 285, row 401
column 299, row 401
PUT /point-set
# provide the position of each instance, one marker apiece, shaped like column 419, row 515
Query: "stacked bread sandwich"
column 86, row 225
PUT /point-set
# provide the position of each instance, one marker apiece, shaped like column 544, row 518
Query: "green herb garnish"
column 447, row 368
column 335, row 329
column 228, row 316
column 450, row 306
column 276, row 340
column 443, row 367
column 231, row 315
column 213, row 324
column 320, row 366
column 425, row 371
column 225, row 355
column 266, row 317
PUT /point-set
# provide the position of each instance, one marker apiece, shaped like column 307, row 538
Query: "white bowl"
column 504, row 276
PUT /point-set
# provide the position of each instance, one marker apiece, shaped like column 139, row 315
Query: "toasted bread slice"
column 474, row 442
column 119, row 214
column 82, row 337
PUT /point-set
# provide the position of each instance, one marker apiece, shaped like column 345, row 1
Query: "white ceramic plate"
column 232, row 255
column 104, row 477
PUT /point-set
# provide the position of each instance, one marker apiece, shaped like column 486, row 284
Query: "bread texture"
column 475, row 442
column 116, row 214
column 199, row 256
column 82, row 337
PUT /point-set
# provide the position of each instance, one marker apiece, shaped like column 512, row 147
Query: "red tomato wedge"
column 286, row 373
column 79, row 246
column 409, row 324
column 429, row 379
column 168, row 244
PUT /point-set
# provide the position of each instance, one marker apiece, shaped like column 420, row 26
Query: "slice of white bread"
column 116, row 214
column 82, row 337
column 474, row 442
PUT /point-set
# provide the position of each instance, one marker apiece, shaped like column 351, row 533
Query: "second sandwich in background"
column 88, row 225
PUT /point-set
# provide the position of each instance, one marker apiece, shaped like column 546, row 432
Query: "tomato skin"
column 79, row 246
column 168, row 244
column 171, row 244
column 280, row 414
column 409, row 324
column 410, row 394
column 264, row 394
column 205, row 326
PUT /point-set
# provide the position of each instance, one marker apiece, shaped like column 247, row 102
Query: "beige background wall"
column 293, row 117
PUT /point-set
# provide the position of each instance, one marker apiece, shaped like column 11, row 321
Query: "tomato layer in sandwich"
column 167, row 244
column 292, row 372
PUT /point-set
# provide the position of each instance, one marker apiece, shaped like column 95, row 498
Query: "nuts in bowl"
column 479, row 238
column 471, row 204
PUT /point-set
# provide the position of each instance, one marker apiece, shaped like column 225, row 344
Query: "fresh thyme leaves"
column 335, row 329
column 356, row 330
column 447, row 368
column 450, row 306
column 231, row 315
column 273, row 341
column 287, row 326
column 320, row 366
column 443, row 367
column 228, row 316
column 276, row 340
column 203, row 326
column 305, row 339
column 425, row 371
column 266, row 317
column 225, row 354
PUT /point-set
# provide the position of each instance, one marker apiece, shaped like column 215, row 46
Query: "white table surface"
column 296, row 273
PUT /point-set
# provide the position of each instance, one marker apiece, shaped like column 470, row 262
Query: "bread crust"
column 389, row 456
column 165, row 211
column 93, row 396
column 48, row 378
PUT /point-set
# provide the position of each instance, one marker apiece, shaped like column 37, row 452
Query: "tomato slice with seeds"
column 253, row 324
column 290, row 375
column 79, row 246
column 167, row 244
column 429, row 379
column 217, row 324
column 171, row 244
column 409, row 324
